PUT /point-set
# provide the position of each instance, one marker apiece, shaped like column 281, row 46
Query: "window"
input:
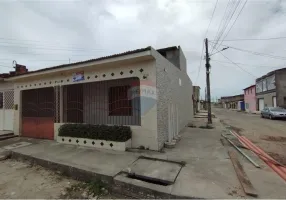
column 259, row 87
column 119, row 103
column 264, row 85
column 271, row 82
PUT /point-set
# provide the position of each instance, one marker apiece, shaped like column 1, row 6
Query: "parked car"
column 273, row 113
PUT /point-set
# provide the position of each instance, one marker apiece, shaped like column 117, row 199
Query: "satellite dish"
column 14, row 63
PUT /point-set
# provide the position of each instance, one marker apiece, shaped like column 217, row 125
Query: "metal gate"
column 38, row 113
column 6, row 110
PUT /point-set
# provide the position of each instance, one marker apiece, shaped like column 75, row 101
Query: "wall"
column 268, row 102
column 281, row 87
column 250, row 99
column 145, row 135
column 174, row 87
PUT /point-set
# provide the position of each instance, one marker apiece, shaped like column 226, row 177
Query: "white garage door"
column 261, row 104
column 6, row 110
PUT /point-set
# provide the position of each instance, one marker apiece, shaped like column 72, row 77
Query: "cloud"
column 47, row 33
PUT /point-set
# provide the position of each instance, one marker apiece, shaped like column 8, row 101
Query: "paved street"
column 270, row 135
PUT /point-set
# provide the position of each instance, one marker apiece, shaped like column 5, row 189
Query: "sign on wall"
column 78, row 76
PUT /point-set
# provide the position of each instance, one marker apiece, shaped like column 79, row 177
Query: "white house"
column 146, row 89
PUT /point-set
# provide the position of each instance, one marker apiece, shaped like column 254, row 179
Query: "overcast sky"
column 40, row 34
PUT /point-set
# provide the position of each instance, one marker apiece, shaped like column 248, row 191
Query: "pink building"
column 250, row 98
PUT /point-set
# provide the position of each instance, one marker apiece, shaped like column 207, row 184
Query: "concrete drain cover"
column 16, row 145
column 155, row 171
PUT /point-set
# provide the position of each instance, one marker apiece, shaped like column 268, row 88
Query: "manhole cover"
column 156, row 171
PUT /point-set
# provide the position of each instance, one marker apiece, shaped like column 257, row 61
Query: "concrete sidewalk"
column 208, row 171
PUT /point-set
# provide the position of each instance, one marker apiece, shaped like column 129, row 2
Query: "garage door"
column 261, row 104
column 38, row 113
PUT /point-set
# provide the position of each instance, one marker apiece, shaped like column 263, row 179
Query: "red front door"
column 38, row 113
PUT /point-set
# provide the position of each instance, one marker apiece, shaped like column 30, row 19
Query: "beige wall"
column 6, row 86
column 145, row 135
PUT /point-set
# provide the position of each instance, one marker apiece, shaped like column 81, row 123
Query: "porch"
column 111, row 102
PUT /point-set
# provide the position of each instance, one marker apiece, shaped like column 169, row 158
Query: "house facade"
column 250, row 98
column 7, row 98
column 271, row 89
column 145, row 89
column 233, row 102
column 196, row 99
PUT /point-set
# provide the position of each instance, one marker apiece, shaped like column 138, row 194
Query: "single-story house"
column 146, row 89
column 7, row 98
column 233, row 102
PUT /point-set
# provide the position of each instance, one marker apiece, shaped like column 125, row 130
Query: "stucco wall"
column 173, row 87
column 250, row 99
column 281, row 88
column 6, row 85
column 145, row 135
column 268, row 98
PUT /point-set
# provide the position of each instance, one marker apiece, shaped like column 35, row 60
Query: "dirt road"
column 20, row 180
column 270, row 135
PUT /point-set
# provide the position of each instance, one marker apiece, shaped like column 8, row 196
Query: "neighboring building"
column 196, row 99
column 250, row 98
column 271, row 89
column 233, row 102
column 146, row 89
column 7, row 98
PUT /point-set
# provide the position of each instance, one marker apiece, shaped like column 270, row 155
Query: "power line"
column 255, row 39
column 237, row 65
column 200, row 63
column 257, row 53
column 233, row 22
column 211, row 18
column 203, row 42
column 227, row 17
column 220, row 61
column 218, row 30
column 5, row 66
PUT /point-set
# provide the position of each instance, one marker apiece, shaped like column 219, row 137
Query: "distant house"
column 271, row 89
column 233, row 102
column 196, row 98
column 146, row 89
column 7, row 98
column 250, row 98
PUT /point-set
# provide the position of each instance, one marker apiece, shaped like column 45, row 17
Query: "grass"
column 85, row 190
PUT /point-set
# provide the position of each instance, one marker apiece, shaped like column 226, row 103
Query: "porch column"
column 61, row 105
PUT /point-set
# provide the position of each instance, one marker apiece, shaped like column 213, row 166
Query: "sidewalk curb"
column 116, row 186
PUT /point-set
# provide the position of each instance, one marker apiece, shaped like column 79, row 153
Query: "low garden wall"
column 116, row 138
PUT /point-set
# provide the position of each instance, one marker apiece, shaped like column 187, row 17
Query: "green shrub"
column 99, row 132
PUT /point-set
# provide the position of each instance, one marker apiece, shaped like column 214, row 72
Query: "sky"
column 46, row 33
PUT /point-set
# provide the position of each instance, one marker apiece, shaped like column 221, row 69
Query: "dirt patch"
column 273, row 138
column 236, row 129
column 278, row 157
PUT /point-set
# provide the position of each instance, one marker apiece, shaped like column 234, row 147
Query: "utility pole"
column 208, row 83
